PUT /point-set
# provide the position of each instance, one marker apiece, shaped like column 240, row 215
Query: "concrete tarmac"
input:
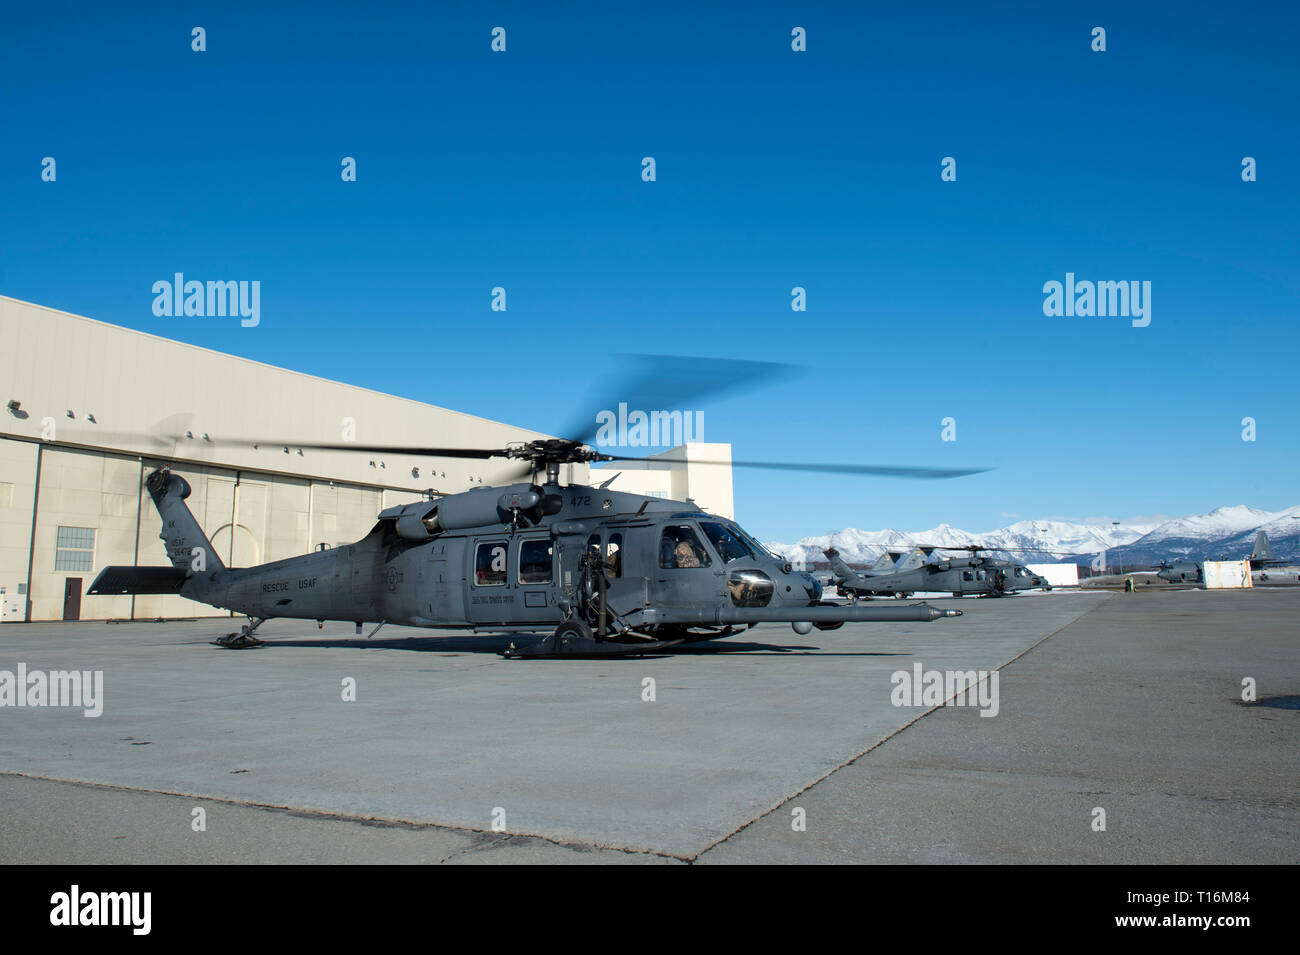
column 1128, row 703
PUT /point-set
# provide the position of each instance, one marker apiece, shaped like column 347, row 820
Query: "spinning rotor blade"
column 976, row 548
column 164, row 436
column 877, row 470
column 477, row 453
column 670, row 382
column 644, row 382
column 1053, row 553
column 515, row 472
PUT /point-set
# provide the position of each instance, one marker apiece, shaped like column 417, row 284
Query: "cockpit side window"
column 680, row 547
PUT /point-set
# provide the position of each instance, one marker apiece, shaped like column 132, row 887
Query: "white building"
column 89, row 409
column 689, row 471
column 1057, row 575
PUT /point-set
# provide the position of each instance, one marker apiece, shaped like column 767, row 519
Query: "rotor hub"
column 545, row 453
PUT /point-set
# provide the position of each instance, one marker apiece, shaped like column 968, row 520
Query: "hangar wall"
column 87, row 409
column 689, row 470
column 250, row 517
column 17, row 487
column 83, row 382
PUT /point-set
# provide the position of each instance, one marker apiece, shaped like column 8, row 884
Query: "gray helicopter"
column 605, row 572
column 960, row 576
column 601, row 572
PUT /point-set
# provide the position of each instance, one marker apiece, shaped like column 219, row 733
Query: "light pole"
column 1115, row 524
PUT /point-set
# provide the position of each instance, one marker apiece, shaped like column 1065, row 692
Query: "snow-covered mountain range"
column 1225, row 531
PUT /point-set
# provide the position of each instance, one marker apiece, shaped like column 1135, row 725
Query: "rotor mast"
column 547, row 454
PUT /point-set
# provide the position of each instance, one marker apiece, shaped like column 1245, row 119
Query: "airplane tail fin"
column 885, row 562
column 914, row 560
column 187, row 546
column 1263, row 550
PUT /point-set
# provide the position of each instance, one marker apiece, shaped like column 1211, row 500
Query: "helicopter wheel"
column 574, row 638
column 572, row 631
column 901, row 595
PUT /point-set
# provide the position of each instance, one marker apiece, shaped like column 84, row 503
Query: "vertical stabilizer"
column 841, row 570
column 188, row 547
column 1263, row 549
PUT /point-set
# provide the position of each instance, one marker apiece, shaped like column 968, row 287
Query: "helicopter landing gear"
column 574, row 638
column 244, row 639
column 828, row 626
column 678, row 633
column 901, row 595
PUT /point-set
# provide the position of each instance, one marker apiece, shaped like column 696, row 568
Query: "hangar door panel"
column 251, row 516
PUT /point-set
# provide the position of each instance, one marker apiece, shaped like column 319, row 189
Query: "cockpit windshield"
column 749, row 539
column 727, row 541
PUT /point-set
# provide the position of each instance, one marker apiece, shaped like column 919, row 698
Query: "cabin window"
column 614, row 557
column 535, row 562
column 681, row 548
column 490, row 564
column 967, row 575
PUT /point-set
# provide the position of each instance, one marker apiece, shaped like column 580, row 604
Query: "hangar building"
column 85, row 404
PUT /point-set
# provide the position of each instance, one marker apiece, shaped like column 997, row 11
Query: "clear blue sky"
column 775, row 169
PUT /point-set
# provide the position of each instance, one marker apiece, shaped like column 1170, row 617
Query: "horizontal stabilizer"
column 138, row 580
